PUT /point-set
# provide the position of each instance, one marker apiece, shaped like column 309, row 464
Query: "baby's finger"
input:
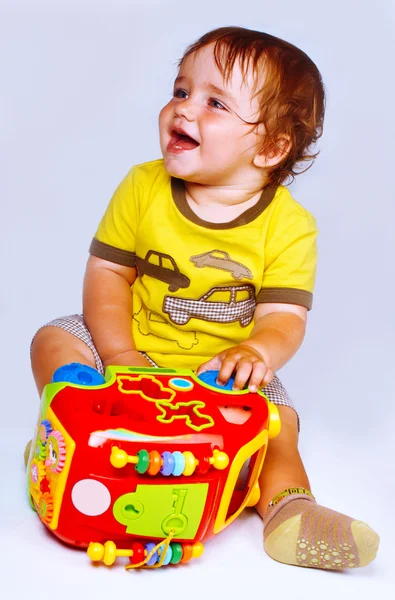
column 257, row 377
column 242, row 375
column 226, row 370
column 267, row 378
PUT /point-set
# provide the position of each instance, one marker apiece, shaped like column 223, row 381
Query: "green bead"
column 177, row 553
column 143, row 462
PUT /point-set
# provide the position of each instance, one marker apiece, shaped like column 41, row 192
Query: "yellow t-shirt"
column 198, row 283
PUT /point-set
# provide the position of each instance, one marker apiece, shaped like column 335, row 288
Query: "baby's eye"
column 179, row 93
column 216, row 104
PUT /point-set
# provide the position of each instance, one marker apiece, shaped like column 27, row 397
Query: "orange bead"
column 186, row 553
column 155, row 463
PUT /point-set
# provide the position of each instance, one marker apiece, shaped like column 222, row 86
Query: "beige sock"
column 27, row 452
column 298, row 531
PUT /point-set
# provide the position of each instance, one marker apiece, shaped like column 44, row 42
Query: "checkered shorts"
column 75, row 325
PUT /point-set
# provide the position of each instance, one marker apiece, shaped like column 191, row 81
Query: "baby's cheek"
column 164, row 118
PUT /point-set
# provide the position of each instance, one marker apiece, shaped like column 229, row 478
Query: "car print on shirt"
column 163, row 267
column 219, row 259
column 151, row 323
column 239, row 305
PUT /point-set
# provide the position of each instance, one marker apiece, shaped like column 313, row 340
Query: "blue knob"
column 78, row 373
column 210, row 377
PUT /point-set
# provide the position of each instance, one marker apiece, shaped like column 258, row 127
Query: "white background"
column 82, row 83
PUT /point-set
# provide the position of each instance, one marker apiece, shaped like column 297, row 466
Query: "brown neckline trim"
column 179, row 197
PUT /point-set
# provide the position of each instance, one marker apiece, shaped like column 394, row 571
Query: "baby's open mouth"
column 180, row 141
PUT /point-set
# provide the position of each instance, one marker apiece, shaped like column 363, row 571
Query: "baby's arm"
column 107, row 308
column 277, row 335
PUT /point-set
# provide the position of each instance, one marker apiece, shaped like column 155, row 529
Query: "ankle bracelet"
column 289, row 492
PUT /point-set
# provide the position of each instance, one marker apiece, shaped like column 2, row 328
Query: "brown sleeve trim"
column 115, row 255
column 286, row 296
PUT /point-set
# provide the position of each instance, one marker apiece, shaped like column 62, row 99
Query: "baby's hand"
column 132, row 358
column 245, row 363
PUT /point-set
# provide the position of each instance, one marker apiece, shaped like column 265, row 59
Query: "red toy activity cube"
column 149, row 464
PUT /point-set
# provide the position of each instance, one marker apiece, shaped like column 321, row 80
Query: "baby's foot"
column 298, row 531
column 27, row 452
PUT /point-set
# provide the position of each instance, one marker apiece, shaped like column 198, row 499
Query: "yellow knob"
column 95, row 551
column 118, row 458
column 220, row 460
column 197, row 549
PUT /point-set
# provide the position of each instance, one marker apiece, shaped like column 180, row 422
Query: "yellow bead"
column 190, row 463
column 197, row 549
column 110, row 553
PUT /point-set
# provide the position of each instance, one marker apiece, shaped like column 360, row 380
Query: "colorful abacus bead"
column 176, row 549
column 176, row 553
column 143, row 462
column 190, row 463
column 186, row 553
column 138, row 555
column 154, row 558
column 155, row 463
column 168, row 463
column 168, row 556
column 179, row 463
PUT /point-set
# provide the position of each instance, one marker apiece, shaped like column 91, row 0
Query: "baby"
column 204, row 260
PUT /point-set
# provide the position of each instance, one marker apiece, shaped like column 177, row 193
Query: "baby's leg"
column 299, row 531
column 283, row 467
column 61, row 342
column 56, row 345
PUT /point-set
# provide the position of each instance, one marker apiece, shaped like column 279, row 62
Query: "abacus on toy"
column 146, row 463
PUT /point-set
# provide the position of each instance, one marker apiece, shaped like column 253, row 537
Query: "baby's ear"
column 274, row 152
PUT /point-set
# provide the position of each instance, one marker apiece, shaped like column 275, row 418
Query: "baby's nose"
column 185, row 109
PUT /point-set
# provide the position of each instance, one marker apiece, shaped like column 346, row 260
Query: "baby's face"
column 203, row 136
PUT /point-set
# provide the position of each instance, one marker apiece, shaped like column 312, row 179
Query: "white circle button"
column 90, row 497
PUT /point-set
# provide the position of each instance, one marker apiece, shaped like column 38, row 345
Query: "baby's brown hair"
column 292, row 97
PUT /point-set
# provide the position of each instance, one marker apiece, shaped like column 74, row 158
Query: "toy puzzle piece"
column 185, row 410
column 155, row 510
